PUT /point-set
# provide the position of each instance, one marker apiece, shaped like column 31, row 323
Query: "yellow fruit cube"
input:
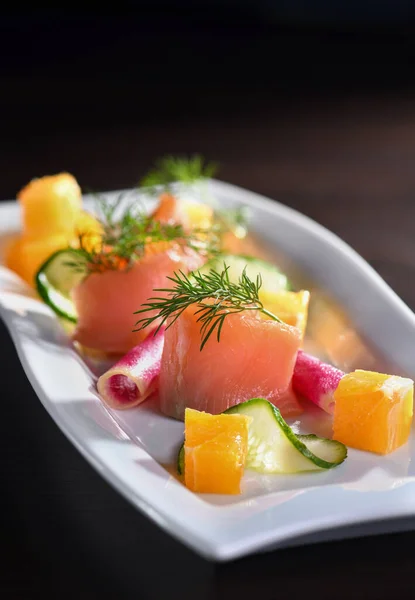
column 25, row 256
column 215, row 451
column 50, row 205
column 373, row 411
column 290, row 307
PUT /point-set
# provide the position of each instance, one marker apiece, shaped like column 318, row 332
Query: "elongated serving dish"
column 134, row 450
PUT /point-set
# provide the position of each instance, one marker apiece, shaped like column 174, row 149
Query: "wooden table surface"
column 336, row 142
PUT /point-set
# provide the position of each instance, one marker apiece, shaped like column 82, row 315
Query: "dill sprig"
column 214, row 295
column 126, row 232
column 170, row 169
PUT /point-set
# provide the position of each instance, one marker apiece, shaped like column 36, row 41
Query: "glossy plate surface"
column 133, row 449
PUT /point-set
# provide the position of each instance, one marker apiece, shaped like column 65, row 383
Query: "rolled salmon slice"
column 106, row 301
column 254, row 358
column 135, row 377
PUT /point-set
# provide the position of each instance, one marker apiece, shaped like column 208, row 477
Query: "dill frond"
column 214, row 295
column 127, row 231
column 170, row 169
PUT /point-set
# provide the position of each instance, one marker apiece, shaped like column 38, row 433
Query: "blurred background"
column 310, row 103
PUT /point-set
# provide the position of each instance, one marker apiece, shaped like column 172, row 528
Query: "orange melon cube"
column 25, row 256
column 215, row 451
column 50, row 205
column 373, row 411
column 199, row 216
column 290, row 307
column 87, row 223
column 12, row 257
column 91, row 231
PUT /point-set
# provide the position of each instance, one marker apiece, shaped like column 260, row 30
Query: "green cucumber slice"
column 273, row 447
column 272, row 278
column 180, row 461
column 57, row 277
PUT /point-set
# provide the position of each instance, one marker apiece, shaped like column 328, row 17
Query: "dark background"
column 312, row 104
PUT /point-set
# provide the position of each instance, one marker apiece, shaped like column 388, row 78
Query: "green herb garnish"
column 170, row 169
column 127, row 232
column 213, row 293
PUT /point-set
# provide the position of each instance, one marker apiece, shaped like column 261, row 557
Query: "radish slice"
column 316, row 381
column 135, row 376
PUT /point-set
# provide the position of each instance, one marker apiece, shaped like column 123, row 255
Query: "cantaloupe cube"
column 215, row 451
column 198, row 215
column 25, row 256
column 91, row 231
column 373, row 411
column 290, row 307
column 50, row 205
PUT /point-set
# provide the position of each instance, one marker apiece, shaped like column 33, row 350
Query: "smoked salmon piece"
column 106, row 301
column 254, row 358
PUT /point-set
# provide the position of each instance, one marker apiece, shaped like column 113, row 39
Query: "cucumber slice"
column 180, row 460
column 273, row 447
column 57, row 277
column 272, row 278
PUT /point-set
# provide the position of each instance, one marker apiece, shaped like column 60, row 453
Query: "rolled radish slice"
column 316, row 381
column 135, row 376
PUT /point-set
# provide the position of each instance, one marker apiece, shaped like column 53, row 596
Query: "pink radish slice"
column 135, row 376
column 316, row 381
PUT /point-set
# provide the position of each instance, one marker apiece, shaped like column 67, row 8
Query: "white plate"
column 128, row 448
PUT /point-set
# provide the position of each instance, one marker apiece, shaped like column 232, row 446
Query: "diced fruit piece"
column 214, row 452
column 190, row 214
column 25, row 255
column 87, row 223
column 12, row 256
column 290, row 307
column 198, row 215
column 50, row 206
column 373, row 411
column 316, row 381
column 91, row 231
column 273, row 447
column 254, row 356
column 272, row 278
